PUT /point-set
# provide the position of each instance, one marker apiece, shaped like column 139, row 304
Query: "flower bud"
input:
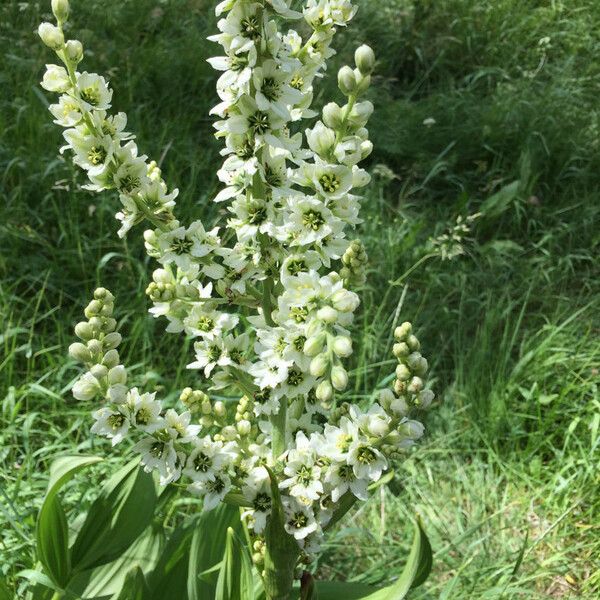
column 364, row 57
column 327, row 314
column 403, row 372
column 117, row 375
column 413, row 342
column 219, row 409
column 95, row 347
column 386, row 397
column 80, row 352
column 324, row 391
column 366, row 148
column 56, row 79
column 111, row 359
column 74, row 51
column 103, row 295
column 415, row 385
column 60, row 9
column 84, row 331
column 401, row 350
column 111, row 340
column 342, row 346
column 85, row 388
column 339, row 378
column 206, row 407
column 51, row 35
column 314, row 344
column 244, row 427
column 424, row 399
column 399, row 407
column 361, row 113
column 319, row 365
column 229, row 433
column 321, row 139
column 345, row 301
column 99, row 372
column 347, row 81
column 402, row 332
column 332, row 115
column 93, row 309
column 412, row 429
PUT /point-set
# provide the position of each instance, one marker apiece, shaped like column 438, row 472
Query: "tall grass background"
column 482, row 106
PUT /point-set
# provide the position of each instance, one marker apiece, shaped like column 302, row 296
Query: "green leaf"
column 333, row 590
column 122, row 511
column 5, row 593
column 134, row 587
column 108, row 579
column 63, row 469
column 52, row 541
column 235, row 577
column 416, row 571
column 495, row 205
column 207, row 548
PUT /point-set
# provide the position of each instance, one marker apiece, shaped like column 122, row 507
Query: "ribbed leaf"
column 207, row 548
column 52, row 541
column 134, row 587
column 235, row 576
column 118, row 516
column 63, row 469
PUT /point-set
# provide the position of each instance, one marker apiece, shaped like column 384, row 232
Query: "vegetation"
column 483, row 108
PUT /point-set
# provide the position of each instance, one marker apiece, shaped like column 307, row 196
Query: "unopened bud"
column 219, row 408
column 332, row 115
column 345, row 301
column 244, row 427
column 314, row 344
column 111, row 359
column 117, row 375
column 324, row 391
column 339, row 378
column 401, row 350
column 60, row 9
column 342, row 346
column 364, row 57
column 403, row 331
column 111, row 340
column 403, row 372
column 327, row 314
column 99, row 372
column 319, row 365
column 74, row 51
column 347, row 81
column 51, row 35
column 80, row 352
column 84, row 331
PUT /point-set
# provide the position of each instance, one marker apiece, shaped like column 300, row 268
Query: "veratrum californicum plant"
column 267, row 298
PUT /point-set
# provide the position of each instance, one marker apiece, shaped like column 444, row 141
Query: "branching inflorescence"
column 268, row 298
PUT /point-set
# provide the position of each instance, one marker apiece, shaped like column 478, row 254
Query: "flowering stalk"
column 270, row 310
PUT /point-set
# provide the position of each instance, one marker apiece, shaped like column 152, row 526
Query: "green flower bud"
column 413, row 342
column 85, row 388
column 403, row 372
column 401, row 350
column 347, row 81
column 402, row 332
column 424, row 399
column 415, row 385
column 244, row 427
column 95, row 347
column 93, row 309
column 386, row 397
column 319, row 365
column 332, row 116
column 111, row 340
column 206, row 407
column 364, row 57
column 229, row 433
column 99, row 372
column 361, row 113
column 324, row 391
column 80, row 352
column 314, row 344
column 84, row 331
column 345, row 301
column 363, row 82
column 52, row 36
column 111, row 359
column 60, row 9
column 117, row 375
column 339, row 378
column 342, row 346
column 103, row 295
column 327, row 314
column 219, row 409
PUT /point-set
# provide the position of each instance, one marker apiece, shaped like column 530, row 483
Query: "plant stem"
column 279, row 424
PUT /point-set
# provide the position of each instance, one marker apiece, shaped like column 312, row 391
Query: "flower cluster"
column 267, row 297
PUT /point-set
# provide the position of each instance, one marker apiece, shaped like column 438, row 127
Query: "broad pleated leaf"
column 63, row 469
column 121, row 512
column 52, row 541
column 207, row 549
column 235, row 580
column 134, row 587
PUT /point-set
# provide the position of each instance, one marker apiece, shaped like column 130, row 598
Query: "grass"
column 507, row 480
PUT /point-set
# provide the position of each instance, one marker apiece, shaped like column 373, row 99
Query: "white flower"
column 367, row 461
column 86, row 387
column 160, row 456
column 67, row 112
column 206, row 459
column 93, row 91
column 56, row 79
column 145, row 411
column 183, row 244
column 340, row 478
column 303, row 474
column 208, row 324
column 213, row 490
column 113, row 424
column 257, row 491
column 299, row 519
column 178, row 426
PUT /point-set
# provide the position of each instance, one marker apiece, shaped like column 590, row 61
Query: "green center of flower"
column 250, row 27
column 313, row 219
column 298, row 520
column 129, row 183
column 295, row 377
column 272, row 178
column 280, row 346
column 91, row 95
column 202, row 463
column 343, row 442
column 143, row 416
column 365, row 455
column 216, row 486
column 297, row 82
column 262, row 502
column 236, row 356
column 262, row 395
column 330, row 182
column 304, row 475
column 246, row 150
column 299, row 313
column 181, row 246
column 97, row 155
column 157, row 449
column 116, row 421
column 299, row 343
column 257, row 214
column 271, row 89
column 259, row 122
column 238, row 63
column 346, row 473
column 297, row 265
column 214, row 353
column 205, row 324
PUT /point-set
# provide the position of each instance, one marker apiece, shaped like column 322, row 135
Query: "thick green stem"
column 279, row 424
